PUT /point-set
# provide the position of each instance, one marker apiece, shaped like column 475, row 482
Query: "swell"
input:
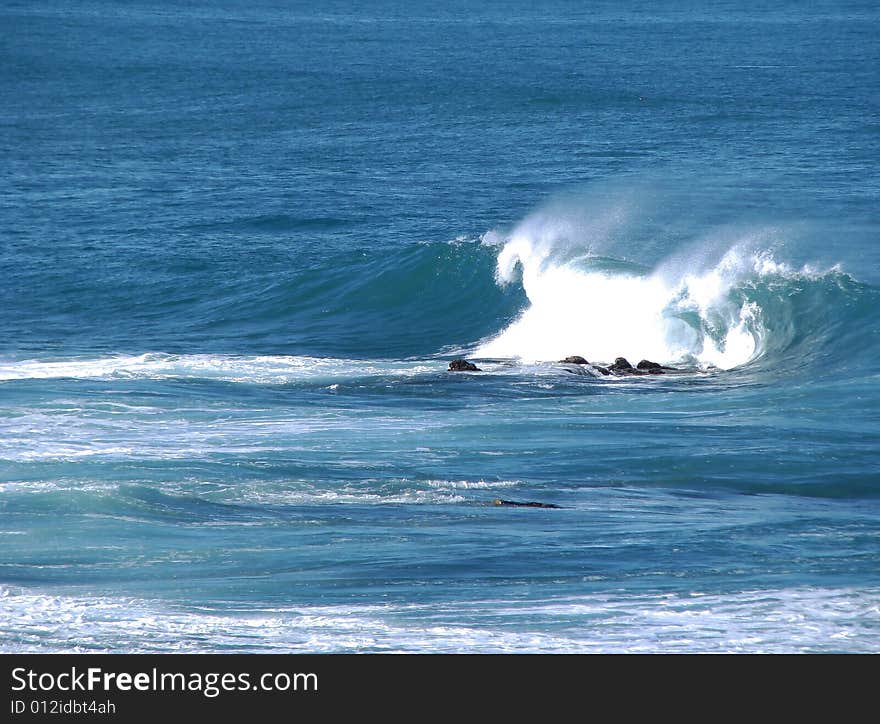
column 410, row 301
column 359, row 302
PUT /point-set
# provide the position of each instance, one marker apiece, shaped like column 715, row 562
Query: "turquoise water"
column 241, row 242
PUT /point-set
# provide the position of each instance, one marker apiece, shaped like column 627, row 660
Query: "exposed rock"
column 622, row 367
column 462, row 365
column 530, row 504
column 652, row 368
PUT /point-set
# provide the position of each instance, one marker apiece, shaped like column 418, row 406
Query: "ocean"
column 240, row 243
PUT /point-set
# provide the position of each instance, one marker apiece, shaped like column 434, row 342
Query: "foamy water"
column 257, row 369
column 767, row 621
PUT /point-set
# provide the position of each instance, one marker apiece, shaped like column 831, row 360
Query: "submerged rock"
column 462, row 365
column 518, row 504
column 575, row 359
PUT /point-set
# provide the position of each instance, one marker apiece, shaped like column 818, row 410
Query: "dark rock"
column 622, row 367
column 517, row 504
column 652, row 368
column 462, row 365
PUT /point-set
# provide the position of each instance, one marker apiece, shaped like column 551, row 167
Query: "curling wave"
column 718, row 313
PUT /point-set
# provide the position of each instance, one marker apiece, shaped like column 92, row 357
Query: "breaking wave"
column 704, row 304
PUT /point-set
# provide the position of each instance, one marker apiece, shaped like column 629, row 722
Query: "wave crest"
column 717, row 314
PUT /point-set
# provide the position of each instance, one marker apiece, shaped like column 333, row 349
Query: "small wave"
column 194, row 502
column 365, row 492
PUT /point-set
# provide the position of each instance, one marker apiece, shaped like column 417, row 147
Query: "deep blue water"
column 240, row 243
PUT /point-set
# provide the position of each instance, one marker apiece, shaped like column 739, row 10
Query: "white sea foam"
column 309, row 492
column 363, row 492
column 763, row 621
column 473, row 484
column 257, row 369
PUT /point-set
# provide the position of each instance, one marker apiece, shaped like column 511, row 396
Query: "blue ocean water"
column 241, row 241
